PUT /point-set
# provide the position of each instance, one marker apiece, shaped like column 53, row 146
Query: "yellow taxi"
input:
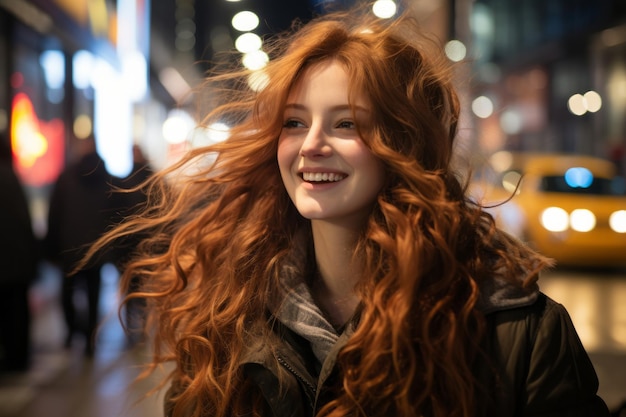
column 570, row 207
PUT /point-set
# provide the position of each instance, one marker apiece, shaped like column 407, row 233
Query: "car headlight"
column 617, row 221
column 554, row 219
column 582, row 220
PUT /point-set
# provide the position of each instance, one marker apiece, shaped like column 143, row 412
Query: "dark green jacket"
column 543, row 369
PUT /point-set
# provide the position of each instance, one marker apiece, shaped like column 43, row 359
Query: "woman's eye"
column 291, row 124
column 346, row 124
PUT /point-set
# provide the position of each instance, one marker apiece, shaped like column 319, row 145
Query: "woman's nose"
column 315, row 143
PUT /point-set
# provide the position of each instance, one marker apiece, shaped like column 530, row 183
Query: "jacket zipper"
column 302, row 379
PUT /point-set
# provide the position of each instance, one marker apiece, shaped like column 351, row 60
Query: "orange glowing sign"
column 38, row 146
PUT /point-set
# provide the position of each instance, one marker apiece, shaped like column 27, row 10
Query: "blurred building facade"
column 69, row 69
column 554, row 72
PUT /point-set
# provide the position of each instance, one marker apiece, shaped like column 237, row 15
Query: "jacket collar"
column 499, row 294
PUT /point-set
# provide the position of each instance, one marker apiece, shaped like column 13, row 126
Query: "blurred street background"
column 542, row 85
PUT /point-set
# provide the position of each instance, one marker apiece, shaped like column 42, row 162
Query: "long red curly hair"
column 218, row 224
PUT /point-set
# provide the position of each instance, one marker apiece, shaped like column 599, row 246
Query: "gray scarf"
column 298, row 310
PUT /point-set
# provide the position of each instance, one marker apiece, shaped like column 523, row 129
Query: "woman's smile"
column 322, row 177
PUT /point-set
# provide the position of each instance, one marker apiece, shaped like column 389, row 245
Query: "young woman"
column 328, row 262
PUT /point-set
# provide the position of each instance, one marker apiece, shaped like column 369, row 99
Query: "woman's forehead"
column 337, row 76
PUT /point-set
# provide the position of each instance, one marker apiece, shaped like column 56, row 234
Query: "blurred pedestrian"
column 81, row 209
column 19, row 259
column 130, row 197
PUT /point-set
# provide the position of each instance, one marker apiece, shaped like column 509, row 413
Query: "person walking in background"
column 19, row 260
column 81, row 209
column 330, row 263
column 130, row 199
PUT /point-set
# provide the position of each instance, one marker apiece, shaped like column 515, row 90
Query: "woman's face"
column 327, row 170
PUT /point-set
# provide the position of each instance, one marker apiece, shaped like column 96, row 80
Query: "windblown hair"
column 216, row 234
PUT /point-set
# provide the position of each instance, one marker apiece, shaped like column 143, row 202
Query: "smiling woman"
column 329, row 263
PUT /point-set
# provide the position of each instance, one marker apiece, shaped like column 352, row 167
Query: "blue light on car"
column 578, row 177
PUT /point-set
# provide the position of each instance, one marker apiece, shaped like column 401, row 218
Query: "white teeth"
column 322, row 176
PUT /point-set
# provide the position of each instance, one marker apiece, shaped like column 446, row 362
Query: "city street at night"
column 271, row 175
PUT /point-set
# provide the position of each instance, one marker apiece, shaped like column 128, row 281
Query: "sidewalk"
column 58, row 373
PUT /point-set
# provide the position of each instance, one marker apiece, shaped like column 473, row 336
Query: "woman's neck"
column 338, row 272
